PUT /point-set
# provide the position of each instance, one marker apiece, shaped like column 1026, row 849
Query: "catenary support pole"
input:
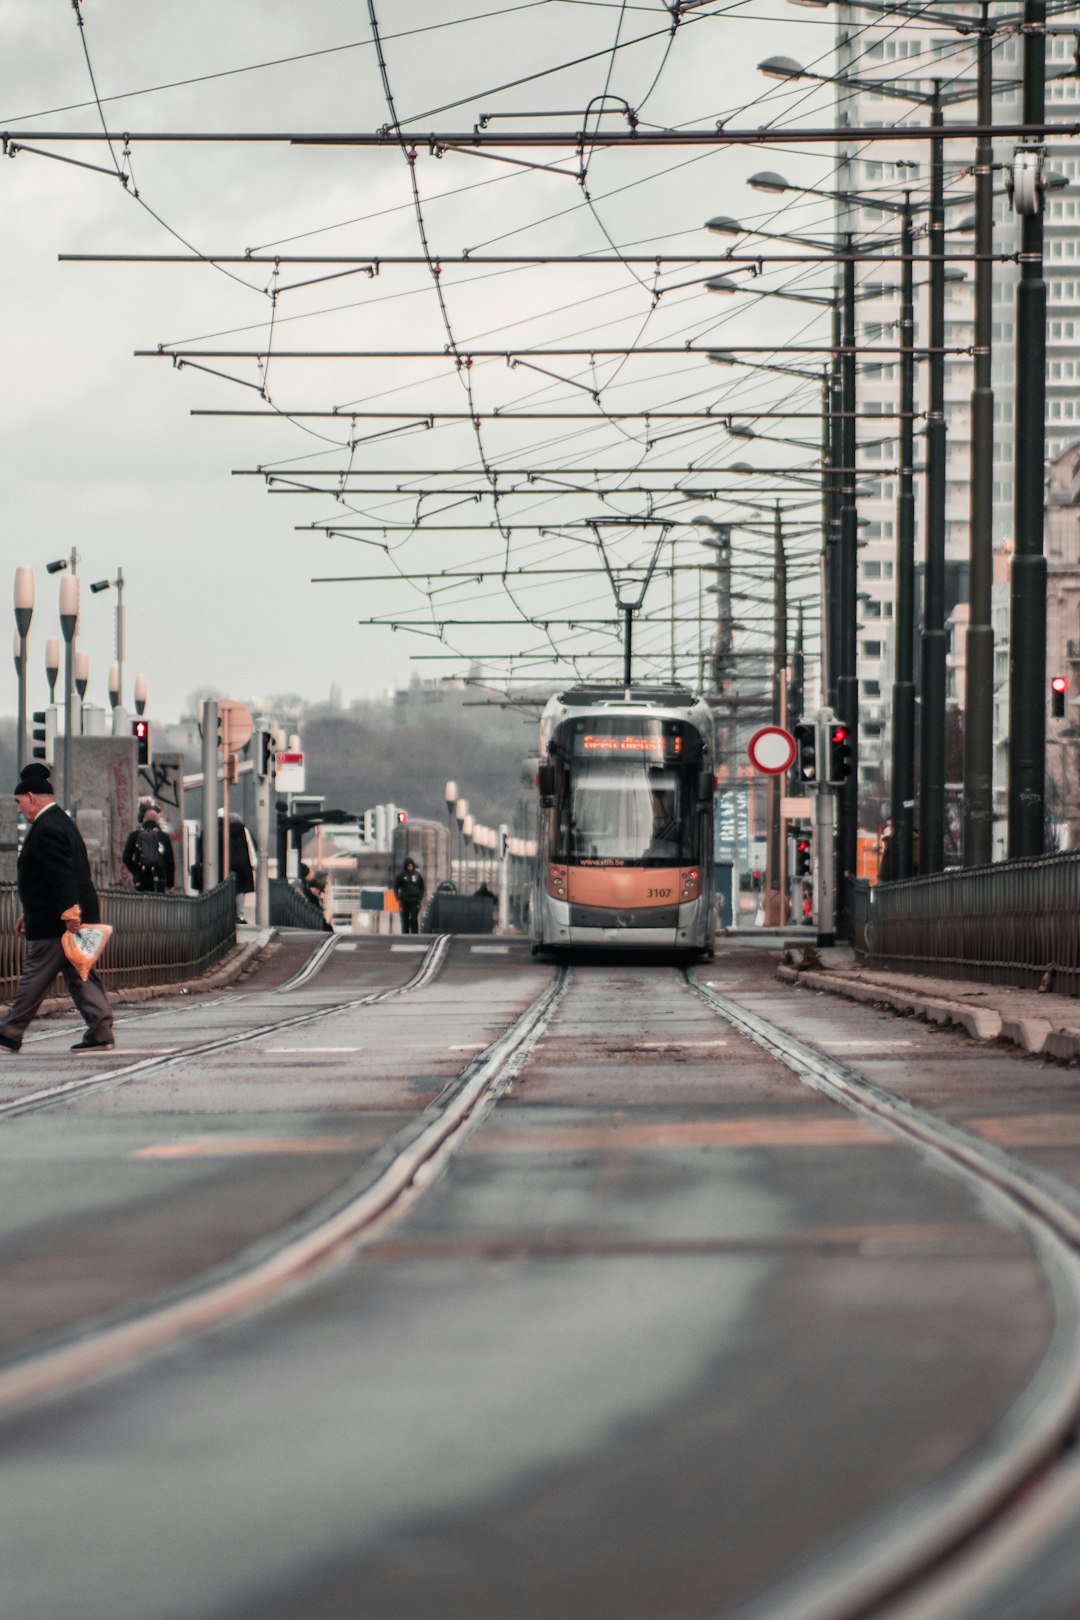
column 847, row 682
column 903, row 737
column 979, row 678
column 933, row 661
column 1027, row 634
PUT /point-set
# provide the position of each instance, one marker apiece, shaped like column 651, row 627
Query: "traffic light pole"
column 824, row 840
column 210, row 795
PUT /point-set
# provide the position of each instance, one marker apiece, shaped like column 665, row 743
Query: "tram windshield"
column 628, row 798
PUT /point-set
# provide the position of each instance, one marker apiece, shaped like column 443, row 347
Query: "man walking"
column 409, row 889
column 57, row 894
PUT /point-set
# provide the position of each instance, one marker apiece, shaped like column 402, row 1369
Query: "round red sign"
column 772, row 750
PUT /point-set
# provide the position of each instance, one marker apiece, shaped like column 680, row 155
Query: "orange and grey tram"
column 625, row 846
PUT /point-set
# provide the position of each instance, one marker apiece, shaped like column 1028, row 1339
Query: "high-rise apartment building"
column 913, row 55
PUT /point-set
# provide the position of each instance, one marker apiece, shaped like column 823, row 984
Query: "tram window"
column 646, row 813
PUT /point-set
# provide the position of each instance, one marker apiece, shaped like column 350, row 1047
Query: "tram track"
column 383, row 1190
column 64, row 1091
column 307, row 970
column 910, row 1563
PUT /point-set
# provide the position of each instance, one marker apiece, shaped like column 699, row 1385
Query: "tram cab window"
column 628, row 813
column 626, row 792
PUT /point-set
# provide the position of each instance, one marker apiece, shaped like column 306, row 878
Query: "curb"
column 1036, row 1036
column 236, row 964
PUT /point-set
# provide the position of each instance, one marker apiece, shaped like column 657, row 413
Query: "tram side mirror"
column 706, row 785
column 545, row 782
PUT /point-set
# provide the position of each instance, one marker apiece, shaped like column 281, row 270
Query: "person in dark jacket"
column 57, row 894
column 409, row 889
column 148, row 854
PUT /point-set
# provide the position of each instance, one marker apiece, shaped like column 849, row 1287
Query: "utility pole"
column 932, row 728
column 979, row 680
column 210, row 873
column 1027, row 633
column 903, row 737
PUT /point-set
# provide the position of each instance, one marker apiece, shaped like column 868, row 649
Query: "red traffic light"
column 402, row 817
column 1059, row 683
column 839, row 734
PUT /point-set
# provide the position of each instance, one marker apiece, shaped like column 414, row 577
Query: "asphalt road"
column 667, row 1326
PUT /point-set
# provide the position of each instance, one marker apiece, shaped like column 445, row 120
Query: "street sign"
column 289, row 773
column 772, row 750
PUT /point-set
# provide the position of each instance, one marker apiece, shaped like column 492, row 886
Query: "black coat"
column 409, row 889
column 54, row 874
column 149, row 880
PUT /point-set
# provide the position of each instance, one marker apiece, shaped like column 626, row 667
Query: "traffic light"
column 140, row 730
column 45, row 734
column 402, row 817
column 841, row 761
column 264, row 754
column 1058, row 688
column 802, row 853
column 806, row 752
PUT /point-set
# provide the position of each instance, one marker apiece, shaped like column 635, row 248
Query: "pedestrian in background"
column 409, row 889
column 57, row 893
column 148, row 854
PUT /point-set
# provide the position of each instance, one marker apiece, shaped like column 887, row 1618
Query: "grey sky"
column 100, row 448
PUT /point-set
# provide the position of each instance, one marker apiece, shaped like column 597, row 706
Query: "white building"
column 916, row 54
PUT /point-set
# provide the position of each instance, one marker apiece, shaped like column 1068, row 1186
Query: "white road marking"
column 490, row 950
column 351, row 947
column 408, row 947
column 299, row 1051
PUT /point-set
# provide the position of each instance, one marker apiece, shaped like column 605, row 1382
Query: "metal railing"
column 1008, row 923
column 290, row 909
column 157, row 938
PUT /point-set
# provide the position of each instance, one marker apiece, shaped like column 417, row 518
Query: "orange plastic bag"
column 83, row 948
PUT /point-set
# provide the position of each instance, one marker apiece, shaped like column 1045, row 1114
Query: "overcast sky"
column 101, row 449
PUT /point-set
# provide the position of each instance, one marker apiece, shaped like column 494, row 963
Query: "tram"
column 625, row 845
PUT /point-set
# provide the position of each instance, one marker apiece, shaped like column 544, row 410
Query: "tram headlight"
column 691, row 884
column 556, row 884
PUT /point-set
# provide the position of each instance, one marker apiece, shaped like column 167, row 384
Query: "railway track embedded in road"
column 66, row 1090
column 383, row 1189
column 940, row 1545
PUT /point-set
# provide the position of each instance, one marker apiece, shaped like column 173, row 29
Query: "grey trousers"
column 43, row 961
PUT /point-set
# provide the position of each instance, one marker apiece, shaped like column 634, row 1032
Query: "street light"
column 69, row 618
column 141, row 695
column 117, row 584
column 52, row 665
column 24, row 613
column 450, row 793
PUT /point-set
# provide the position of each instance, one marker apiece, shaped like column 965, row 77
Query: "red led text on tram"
column 631, row 745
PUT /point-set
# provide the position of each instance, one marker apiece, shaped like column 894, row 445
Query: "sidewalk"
column 1046, row 1024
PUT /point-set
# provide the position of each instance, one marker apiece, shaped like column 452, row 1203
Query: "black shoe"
column 8, row 1045
column 88, row 1044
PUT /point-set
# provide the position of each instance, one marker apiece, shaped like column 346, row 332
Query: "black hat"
column 33, row 778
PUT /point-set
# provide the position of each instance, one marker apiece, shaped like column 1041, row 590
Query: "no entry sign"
column 772, row 750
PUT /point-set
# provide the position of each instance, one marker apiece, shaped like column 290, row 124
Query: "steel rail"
column 381, row 1191
column 65, row 1090
column 307, row 971
column 390, row 138
column 915, row 1539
